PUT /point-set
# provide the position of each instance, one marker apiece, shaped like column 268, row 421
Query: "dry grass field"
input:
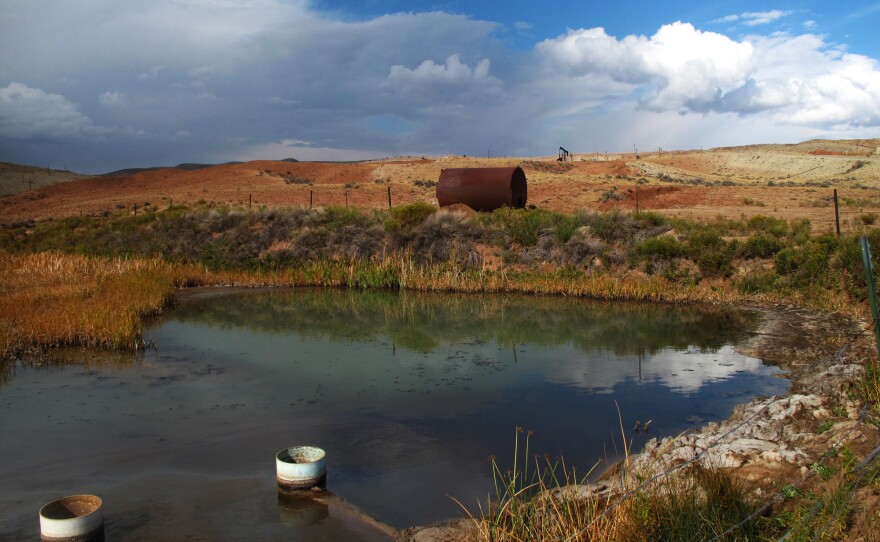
column 782, row 181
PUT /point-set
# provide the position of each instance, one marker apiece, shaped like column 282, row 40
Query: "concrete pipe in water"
column 300, row 467
column 77, row 518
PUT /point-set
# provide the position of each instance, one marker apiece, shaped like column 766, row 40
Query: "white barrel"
column 78, row 517
column 300, row 467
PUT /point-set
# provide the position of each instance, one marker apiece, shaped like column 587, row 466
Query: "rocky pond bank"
column 778, row 447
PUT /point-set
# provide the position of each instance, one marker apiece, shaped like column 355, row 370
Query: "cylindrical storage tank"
column 483, row 189
column 300, row 467
column 76, row 518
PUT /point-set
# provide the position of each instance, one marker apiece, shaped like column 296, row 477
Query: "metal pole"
column 872, row 288
column 310, row 199
column 836, row 214
column 389, row 197
column 250, row 201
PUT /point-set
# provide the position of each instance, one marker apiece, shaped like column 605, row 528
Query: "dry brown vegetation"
column 53, row 299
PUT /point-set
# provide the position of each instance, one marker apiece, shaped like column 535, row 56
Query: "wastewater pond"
column 408, row 393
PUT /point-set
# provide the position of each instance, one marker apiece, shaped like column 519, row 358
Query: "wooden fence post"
column 637, row 199
column 836, row 214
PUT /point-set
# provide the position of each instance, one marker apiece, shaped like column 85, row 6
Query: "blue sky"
column 102, row 84
column 845, row 22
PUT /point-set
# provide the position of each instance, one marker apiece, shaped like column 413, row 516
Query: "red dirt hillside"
column 784, row 181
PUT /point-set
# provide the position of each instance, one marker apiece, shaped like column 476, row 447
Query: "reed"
column 547, row 500
column 52, row 299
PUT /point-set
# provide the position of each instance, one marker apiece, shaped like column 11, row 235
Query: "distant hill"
column 847, row 147
column 186, row 166
column 17, row 178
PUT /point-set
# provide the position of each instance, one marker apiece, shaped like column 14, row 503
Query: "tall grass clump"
column 538, row 502
column 525, row 226
column 441, row 238
column 53, row 299
column 700, row 504
column 545, row 500
column 404, row 218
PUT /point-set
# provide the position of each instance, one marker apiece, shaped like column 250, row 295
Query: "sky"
column 98, row 85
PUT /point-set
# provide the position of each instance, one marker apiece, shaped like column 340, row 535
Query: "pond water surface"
column 408, row 393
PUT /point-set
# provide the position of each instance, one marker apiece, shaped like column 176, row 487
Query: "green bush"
column 787, row 260
column 851, row 264
column 761, row 245
column 757, row 282
column 807, row 266
column 525, row 226
column 335, row 217
column 712, row 254
column 567, row 225
column 614, row 227
column 404, row 218
column 801, row 230
column 664, row 247
column 768, row 224
column 651, row 220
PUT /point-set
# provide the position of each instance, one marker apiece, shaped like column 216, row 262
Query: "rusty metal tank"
column 483, row 189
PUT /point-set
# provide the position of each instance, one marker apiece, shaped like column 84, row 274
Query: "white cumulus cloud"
column 29, row 113
column 802, row 82
column 452, row 72
column 689, row 68
column 797, row 79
